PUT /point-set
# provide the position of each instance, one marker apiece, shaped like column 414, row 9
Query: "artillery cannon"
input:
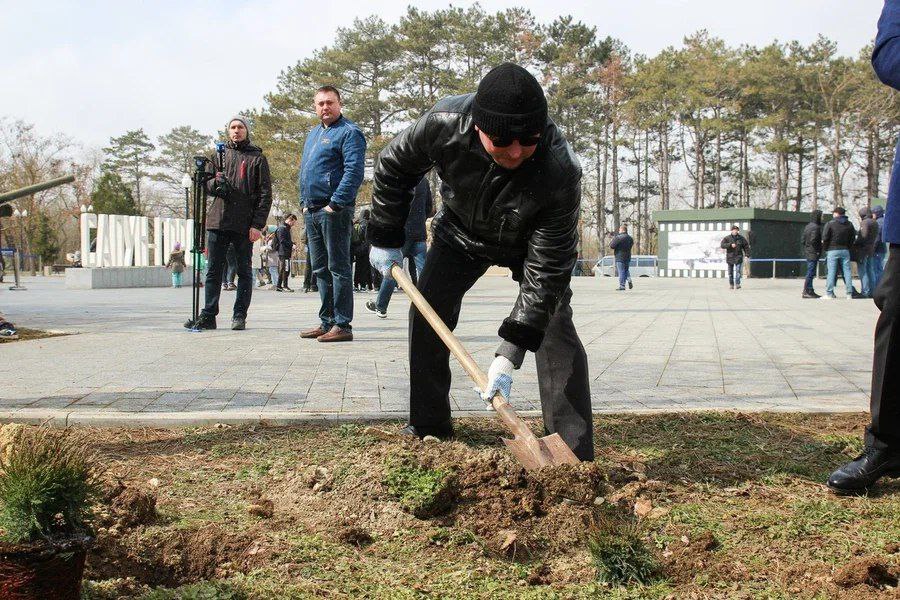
column 6, row 211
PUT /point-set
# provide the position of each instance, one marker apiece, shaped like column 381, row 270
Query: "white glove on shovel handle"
column 499, row 379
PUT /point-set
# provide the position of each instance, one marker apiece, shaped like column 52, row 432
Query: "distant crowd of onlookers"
column 842, row 244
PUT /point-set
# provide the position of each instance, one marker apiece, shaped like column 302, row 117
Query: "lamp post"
column 186, row 183
column 20, row 216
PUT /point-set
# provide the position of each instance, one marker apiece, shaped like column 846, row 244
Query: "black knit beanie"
column 510, row 102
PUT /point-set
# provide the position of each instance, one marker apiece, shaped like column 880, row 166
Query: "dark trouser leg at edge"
column 884, row 431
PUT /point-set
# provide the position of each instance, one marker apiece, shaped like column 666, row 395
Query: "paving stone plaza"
column 667, row 345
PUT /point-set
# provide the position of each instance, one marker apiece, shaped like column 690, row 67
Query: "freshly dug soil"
column 729, row 506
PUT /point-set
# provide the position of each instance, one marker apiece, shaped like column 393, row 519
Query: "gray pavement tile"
column 671, row 332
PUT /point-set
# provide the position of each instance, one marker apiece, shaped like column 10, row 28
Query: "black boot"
column 442, row 433
column 857, row 476
column 810, row 294
column 202, row 322
column 238, row 323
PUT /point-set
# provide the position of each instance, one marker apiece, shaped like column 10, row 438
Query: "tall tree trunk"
column 779, row 177
column 638, row 177
column 814, row 205
column 647, row 195
column 838, row 189
column 745, row 167
column 718, row 169
column 602, row 217
column 616, row 213
column 798, row 199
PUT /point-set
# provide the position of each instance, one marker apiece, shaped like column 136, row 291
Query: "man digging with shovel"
column 511, row 197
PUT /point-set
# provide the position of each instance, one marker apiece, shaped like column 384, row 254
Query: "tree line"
column 789, row 126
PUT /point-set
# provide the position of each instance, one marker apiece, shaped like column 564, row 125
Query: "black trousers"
column 284, row 271
column 884, row 431
column 217, row 245
column 561, row 360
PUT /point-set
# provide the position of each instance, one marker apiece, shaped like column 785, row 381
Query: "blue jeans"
column 217, row 245
column 273, row 274
column 867, row 277
column 623, row 269
column 329, row 252
column 412, row 250
column 879, row 269
column 811, row 268
column 735, row 272
column 835, row 259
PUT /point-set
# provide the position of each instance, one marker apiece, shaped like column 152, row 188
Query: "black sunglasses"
column 503, row 142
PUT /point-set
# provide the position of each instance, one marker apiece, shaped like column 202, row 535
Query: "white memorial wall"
column 124, row 240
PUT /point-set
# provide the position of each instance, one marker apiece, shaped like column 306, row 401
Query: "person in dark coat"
column 736, row 247
column 838, row 237
column 285, row 244
column 812, row 251
column 866, row 239
column 237, row 213
column 362, row 273
column 881, row 456
column 413, row 248
column 514, row 200
column 622, row 244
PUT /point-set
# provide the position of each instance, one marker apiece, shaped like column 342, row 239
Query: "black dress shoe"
column 442, row 433
column 238, row 324
column 857, row 476
column 202, row 322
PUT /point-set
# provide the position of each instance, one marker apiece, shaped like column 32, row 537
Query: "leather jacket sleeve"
column 398, row 170
column 547, row 270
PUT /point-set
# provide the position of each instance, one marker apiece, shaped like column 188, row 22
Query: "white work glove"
column 499, row 379
column 384, row 258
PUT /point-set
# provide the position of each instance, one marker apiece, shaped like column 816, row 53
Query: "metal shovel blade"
column 534, row 453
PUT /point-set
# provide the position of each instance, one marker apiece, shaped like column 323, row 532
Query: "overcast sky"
column 95, row 69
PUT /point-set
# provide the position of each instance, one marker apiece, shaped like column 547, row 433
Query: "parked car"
column 642, row 265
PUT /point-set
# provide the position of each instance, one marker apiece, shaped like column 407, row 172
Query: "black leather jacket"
column 525, row 219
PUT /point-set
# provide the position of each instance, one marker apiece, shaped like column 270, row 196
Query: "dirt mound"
column 181, row 556
column 868, row 570
column 133, row 507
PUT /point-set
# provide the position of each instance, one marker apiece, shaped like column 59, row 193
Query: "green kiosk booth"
column 689, row 243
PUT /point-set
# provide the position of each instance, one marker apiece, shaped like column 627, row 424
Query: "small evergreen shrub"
column 48, row 481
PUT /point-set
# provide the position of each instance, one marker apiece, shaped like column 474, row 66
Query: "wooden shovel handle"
column 506, row 413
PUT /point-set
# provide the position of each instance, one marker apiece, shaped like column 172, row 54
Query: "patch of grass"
column 620, row 554
column 421, row 491
column 205, row 590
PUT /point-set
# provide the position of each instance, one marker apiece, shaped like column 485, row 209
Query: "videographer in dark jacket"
column 511, row 197
column 240, row 199
column 812, row 251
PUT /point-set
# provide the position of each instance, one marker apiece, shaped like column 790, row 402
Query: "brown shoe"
column 336, row 335
column 313, row 333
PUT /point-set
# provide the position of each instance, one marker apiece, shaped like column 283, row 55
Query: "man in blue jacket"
column 881, row 456
column 331, row 172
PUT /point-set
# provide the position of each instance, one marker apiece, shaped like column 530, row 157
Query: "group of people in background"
column 841, row 244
